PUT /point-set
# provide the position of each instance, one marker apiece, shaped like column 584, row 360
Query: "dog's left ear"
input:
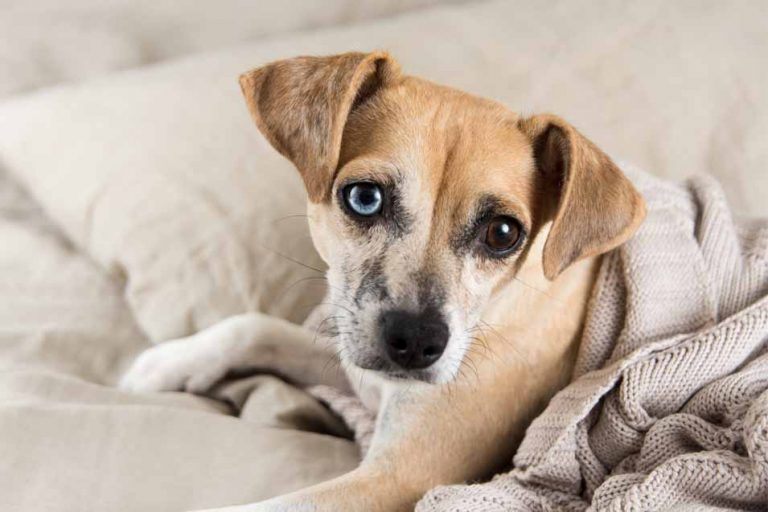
column 597, row 208
column 301, row 106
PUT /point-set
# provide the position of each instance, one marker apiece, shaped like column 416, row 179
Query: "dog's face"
column 424, row 201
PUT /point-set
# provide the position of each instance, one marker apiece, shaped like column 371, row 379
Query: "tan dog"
column 462, row 242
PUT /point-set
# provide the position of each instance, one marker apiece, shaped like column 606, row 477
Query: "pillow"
column 48, row 41
column 161, row 177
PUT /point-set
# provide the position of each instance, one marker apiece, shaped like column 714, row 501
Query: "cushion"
column 46, row 42
column 161, row 177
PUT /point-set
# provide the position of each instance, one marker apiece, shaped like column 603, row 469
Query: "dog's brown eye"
column 502, row 235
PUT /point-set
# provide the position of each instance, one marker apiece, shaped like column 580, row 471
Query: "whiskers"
column 332, row 329
column 481, row 346
column 290, row 217
column 293, row 260
column 531, row 287
column 331, row 332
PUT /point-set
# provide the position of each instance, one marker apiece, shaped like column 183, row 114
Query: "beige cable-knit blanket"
column 669, row 407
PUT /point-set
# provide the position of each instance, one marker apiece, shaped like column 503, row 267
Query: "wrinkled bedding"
column 677, row 88
column 69, row 441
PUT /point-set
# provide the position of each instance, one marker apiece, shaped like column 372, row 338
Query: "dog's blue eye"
column 364, row 198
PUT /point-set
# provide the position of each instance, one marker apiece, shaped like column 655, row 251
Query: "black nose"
column 414, row 340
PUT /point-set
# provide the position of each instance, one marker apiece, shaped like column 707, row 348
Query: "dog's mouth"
column 391, row 371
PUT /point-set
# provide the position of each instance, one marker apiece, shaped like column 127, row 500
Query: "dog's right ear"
column 301, row 105
column 597, row 207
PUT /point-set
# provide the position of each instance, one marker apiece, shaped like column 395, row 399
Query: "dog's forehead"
column 459, row 146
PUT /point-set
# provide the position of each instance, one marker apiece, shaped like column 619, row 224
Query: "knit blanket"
column 668, row 409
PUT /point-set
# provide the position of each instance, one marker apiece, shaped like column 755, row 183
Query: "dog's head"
column 424, row 200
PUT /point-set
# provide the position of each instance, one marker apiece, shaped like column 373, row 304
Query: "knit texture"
column 669, row 406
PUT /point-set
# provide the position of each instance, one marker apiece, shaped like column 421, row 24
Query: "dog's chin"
column 393, row 372
column 410, row 375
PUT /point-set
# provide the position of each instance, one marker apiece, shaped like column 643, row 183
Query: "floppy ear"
column 597, row 207
column 301, row 106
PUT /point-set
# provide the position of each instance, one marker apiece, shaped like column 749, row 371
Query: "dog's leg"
column 243, row 342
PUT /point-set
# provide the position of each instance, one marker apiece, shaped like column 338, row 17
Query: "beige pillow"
column 163, row 179
column 160, row 175
column 46, row 42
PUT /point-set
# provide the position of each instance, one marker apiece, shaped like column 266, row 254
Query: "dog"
column 462, row 242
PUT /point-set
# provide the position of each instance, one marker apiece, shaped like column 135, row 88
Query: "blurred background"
column 138, row 203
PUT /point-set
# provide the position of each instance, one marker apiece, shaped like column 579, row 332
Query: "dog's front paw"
column 180, row 365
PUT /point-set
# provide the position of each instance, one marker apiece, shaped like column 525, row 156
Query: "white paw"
column 187, row 364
